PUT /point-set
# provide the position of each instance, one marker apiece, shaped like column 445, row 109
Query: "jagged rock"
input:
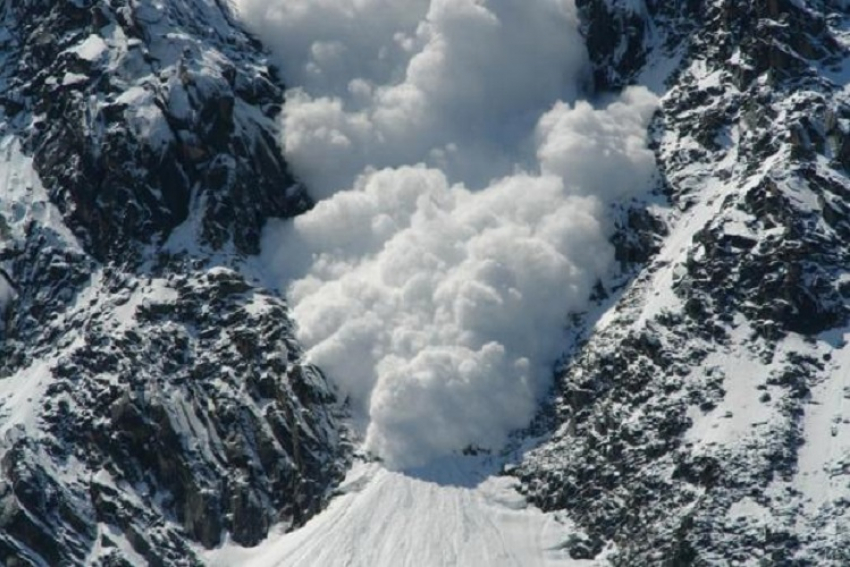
column 678, row 427
column 159, row 399
column 192, row 126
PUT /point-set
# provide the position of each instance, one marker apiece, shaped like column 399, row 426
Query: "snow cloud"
column 464, row 194
column 455, row 84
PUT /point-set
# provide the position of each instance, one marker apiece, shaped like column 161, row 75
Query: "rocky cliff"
column 152, row 398
column 700, row 419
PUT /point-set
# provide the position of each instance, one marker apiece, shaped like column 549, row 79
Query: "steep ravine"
column 156, row 409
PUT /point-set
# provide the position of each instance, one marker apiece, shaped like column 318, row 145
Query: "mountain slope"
column 151, row 395
column 155, row 407
column 451, row 512
column 701, row 420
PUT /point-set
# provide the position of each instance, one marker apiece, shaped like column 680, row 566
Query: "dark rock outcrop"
column 140, row 114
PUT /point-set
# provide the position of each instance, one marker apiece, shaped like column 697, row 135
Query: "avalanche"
column 466, row 206
column 465, row 194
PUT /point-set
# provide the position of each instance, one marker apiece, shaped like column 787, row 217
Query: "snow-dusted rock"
column 700, row 421
column 152, row 399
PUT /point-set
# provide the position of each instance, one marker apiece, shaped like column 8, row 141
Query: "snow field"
column 445, row 514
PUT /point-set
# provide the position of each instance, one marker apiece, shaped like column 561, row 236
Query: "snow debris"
column 383, row 518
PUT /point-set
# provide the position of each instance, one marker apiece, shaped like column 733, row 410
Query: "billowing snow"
column 467, row 190
column 446, row 514
column 458, row 85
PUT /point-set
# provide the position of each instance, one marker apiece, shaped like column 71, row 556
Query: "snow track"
column 447, row 514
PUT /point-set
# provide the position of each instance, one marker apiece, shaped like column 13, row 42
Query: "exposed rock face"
column 700, row 422
column 137, row 112
column 152, row 399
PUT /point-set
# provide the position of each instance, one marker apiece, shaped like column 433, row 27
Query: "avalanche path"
column 451, row 512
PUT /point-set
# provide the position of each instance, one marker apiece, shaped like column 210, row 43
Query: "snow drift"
column 464, row 195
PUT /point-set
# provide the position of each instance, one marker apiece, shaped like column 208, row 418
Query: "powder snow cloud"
column 464, row 196
column 456, row 84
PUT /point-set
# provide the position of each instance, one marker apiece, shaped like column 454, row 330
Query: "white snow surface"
column 23, row 198
column 449, row 513
column 825, row 456
column 92, row 49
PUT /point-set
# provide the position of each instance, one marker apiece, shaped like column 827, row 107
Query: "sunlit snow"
column 445, row 514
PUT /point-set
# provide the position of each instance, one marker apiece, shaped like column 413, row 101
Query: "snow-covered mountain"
column 702, row 418
column 151, row 394
column 159, row 405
